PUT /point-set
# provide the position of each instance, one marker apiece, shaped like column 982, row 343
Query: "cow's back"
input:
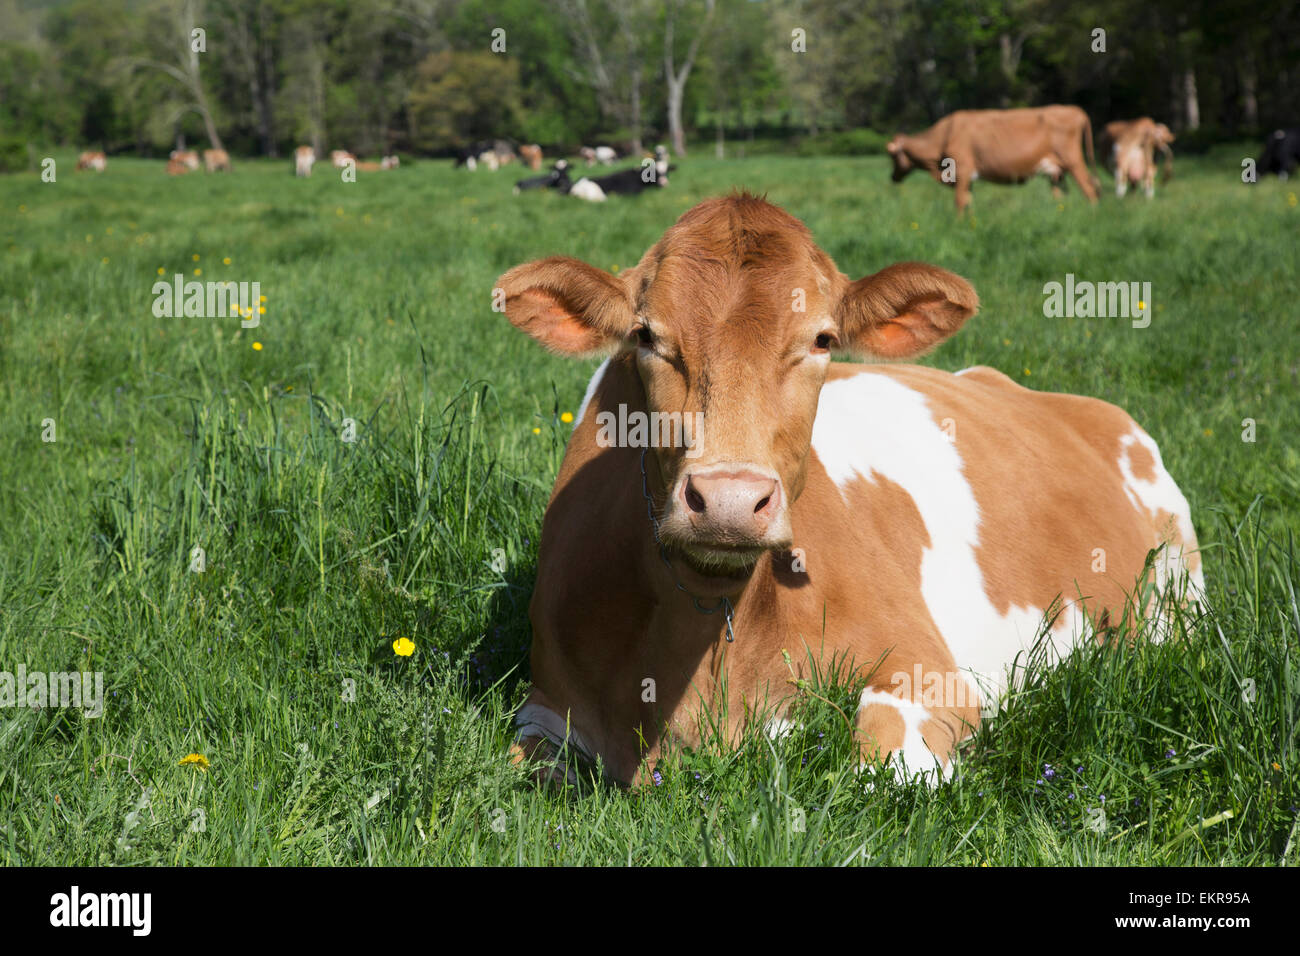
column 1024, row 501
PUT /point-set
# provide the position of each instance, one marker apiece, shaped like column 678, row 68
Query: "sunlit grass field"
column 276, row 661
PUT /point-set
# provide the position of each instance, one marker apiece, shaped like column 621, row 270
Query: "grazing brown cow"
column 1159, row 135
column 386, row 163
column 920, row 523
column 340, row 158
column 187, row 156
column 92, row 160
column 1001, row 146
column 304, row 158
column 532, row 155
column 216, row 160
column 177, row 167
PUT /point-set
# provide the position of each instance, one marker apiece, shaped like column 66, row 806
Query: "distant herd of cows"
column 1001, row 146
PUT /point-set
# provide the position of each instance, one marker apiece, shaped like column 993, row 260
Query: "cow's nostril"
column 694, row 499
column 762, row 504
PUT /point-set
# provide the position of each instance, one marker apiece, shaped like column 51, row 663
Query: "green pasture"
column 276, row 661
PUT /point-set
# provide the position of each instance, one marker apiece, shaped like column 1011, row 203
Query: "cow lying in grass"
column 625, row 182
column 923, row 524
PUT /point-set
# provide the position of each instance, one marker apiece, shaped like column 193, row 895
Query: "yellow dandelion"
column 614, row 268
column 261, row 298
column 566, row 417
column 1006, row 341
column 403, row 647
column 1276, row 765
column 338, row 211
column 104, row 260
column 261, row 310
column 198, row 272
column 537, row 431
column 195, row 257
column 1027, row 372
column 257, row 346
column 226, row 261
column 1209, row 432
column 234, row 309
column 916, row 225
column 195, row 760
column 1141, row 306
column 161, row 270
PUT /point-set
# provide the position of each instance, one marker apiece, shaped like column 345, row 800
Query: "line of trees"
column 428, row 76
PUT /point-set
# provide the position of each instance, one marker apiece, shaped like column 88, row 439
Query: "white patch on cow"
column 534, row 720
column 587, row 189
column 1048, row 167
column 779, row 727
column 1154, row 496
column 870, row 426
column 591, row 391
column 913, row 760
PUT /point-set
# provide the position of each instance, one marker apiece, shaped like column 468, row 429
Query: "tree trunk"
column 675, row 132
column 1249, row 101
column 1191, row 105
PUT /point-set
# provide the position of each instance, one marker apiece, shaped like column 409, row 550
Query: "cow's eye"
column 644, row 336
column 825, row 342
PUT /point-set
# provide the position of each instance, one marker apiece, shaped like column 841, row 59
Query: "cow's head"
column 903, row 163
column 733, row 316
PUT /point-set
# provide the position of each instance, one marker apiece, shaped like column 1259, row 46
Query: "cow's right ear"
column 570, row 307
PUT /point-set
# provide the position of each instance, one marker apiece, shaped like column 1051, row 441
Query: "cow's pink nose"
column 730, row 503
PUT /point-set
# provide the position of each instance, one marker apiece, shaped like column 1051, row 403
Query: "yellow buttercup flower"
column 195, row 760
column 257, row 346
column 226, row 261
column 403, row 647
column 537, row 431
column 566, row 417
column 195, row 257
column 161, row 270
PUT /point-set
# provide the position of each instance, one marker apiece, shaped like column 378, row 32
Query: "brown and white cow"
column 924, row 524
column 304, row 158
column 216, row 160
column 1001, row 146
column 339, row 158
column 532, row 156
column 178, row 167
column 186, row 156
column 92, row 160
column 1136, row 141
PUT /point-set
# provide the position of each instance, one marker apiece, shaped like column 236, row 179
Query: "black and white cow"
column 1281, row 152
column 557, row 178
column 625, row 182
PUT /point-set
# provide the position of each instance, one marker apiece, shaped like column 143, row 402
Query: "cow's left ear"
column 904, row 310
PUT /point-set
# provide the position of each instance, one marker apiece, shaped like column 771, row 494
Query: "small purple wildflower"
column 658, row 778
column 1170, row 754
column 1049, row 772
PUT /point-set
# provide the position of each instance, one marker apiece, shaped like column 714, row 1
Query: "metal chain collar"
column 724, row 603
